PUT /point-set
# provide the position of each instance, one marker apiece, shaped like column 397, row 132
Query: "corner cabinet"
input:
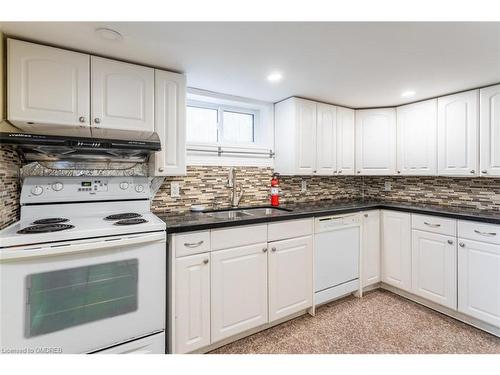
column 48, row 89
column 490, row 131
column 396, row 249
column 417, row 138
column 370, row 250
column 170, row 124
column 313, row 138
column 458, row 134
column 376, row 141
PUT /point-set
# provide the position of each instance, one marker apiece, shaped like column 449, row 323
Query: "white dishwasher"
column 336, row 256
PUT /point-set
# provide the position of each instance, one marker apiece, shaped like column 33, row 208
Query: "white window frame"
column 221, row 108
column 263, row 132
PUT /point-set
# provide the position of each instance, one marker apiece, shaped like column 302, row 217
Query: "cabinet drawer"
column 238, row 236
column 289, row 229
column 482, row 232
column 434, row 224
column 192, row 243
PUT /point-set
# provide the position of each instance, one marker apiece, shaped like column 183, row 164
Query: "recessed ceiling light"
column 408, row 94
column 275, row 77
column 109, row 34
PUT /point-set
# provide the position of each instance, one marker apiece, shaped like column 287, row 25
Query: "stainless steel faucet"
column 231, row 183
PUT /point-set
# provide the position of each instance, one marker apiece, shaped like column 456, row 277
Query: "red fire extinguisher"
column 275, row 200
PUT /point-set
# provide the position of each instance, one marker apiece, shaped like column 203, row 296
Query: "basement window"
column 228, row 130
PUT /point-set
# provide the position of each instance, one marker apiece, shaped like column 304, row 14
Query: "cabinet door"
column 239, row 290
column 417, row 138
column 479, row 280
column 370, row 248
column 290, row 276
column 122, row 99
column 192, row 302
column 306, row 137
column 345, row 141
column 326, row 132
column 376, row 141
column 170, row 124
column 434, row 267
column 458, row 127
column 48, row 86
column 490, row 131
column 396, row 249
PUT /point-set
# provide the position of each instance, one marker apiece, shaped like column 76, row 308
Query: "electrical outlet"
column 387, row 186
column 175, row 190
column 303, row 188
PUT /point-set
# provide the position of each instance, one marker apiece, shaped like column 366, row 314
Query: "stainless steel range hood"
column 36, row 147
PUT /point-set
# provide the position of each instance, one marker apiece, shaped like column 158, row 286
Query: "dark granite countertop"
column 191, row 221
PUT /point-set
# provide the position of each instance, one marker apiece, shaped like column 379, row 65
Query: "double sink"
column 242, row 213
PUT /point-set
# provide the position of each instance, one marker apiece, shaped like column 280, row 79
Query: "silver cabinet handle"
column 340, row 171
column 97, row 120
column 366, row 215
column 264, row 250
column 193, row 244
column 358, row 172
column 485, row 233
column 205, row 261
column 462, row 244
column 81, row 118
column 432, row 225
column 484, row 171
column 161, row 169
column 472, row 171
column 450, row 242
column 399, row 172
column 273, row 249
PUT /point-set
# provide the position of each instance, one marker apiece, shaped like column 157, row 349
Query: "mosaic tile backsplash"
column 9, row 185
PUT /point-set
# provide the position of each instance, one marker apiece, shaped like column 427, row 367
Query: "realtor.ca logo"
column 37, row 350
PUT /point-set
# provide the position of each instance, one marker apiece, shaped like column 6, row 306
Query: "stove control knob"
column 124, row 185
column 57, row 186
column 139, row 188
column 36, row 190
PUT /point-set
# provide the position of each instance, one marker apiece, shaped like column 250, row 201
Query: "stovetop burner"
column 131, row 221
column 51, row 220
column 45, row 228
column 128, row 215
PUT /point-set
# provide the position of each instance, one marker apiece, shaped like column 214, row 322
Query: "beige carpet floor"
column 380, row 322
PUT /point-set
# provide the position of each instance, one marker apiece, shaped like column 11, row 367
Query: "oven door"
column 81, row 296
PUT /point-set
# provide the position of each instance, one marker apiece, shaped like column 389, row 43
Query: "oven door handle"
column 62, row 249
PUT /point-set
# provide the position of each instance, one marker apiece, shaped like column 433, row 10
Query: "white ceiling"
column 353, row 64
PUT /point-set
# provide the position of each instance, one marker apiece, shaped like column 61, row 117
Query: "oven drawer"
column 434, row 224
column 191, row 243
column 154, row 344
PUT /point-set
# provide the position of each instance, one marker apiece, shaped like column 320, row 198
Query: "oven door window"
column 66, row 298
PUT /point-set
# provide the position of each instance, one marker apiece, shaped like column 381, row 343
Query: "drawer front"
column 238, row 236
column 482, row 232
column 434, row 224
column 192, row 243
column 289, row 229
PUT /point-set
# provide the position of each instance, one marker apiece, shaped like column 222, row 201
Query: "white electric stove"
column 84, row 269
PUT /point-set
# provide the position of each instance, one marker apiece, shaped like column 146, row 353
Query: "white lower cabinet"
column 434, row 267
column 370, row 248
column 479, row 280
column 290, row 276
column 192, row 302
column 396, row 249
column 238, row 290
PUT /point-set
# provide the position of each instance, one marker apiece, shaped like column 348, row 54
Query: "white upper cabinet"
column 376, row 141
column 313, row 138
column 326, row 133
column 345, row 141
column 49, row 87
column 417, row 138
column 458, row 130
column 122, row 99
column 170, row 124
column 490, row 131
